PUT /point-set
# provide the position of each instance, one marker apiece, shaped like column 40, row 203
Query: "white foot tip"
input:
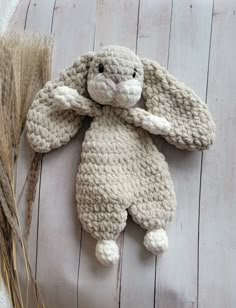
column 107, row 252
column 156, row 241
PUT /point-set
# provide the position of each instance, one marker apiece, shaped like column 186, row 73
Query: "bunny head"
column 115, row 76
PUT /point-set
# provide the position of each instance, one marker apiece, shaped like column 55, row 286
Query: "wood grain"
column 39, row 16
column 116, row 23
column 198, row 269
column 217, row 254
column 152, row 42
column 154, row 30
column 176, row 272
column 18, row 21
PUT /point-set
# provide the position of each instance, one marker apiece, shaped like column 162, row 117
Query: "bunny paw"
column 156, row 241
column 64, row 97
column 156, row 125
column 107, row 252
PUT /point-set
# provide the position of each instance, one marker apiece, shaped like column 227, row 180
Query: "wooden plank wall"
column 217, row 243
column 196, row 40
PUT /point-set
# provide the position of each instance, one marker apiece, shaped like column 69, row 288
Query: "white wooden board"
column 217, row 233
column 159, row 16
column 198, row 269
column 176, row 274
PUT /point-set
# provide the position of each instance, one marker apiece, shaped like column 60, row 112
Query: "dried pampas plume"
column 25, row 62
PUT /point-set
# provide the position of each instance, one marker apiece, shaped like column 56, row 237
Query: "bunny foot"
column 107, row 252
column 156, row 241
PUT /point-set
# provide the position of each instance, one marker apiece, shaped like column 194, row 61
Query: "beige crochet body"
column 121, row 169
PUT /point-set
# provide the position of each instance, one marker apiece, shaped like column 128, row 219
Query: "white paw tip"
column 166, row 126
column 157, row 125
column 162, row 124
column 156, row 241
column 64, row 90
column 64, row 96
column 107, row 252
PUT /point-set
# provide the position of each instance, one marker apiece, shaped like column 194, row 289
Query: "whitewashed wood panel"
column 154, row 30
column 18, row 19
column 39, row 16
column 67, row 270
column 176, row 272
column 7, row 9
column 116, row 23
column 73, row 27
column 217, row 255
column 59, row 228
column 104, row 282
column 138, row 265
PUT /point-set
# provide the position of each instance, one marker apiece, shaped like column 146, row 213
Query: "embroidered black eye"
column 100, row 68
column 134, row 73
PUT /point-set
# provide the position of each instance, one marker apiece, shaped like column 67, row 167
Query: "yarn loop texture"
column 121, row 170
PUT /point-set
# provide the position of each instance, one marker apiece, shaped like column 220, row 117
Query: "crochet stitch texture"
column 121, row 170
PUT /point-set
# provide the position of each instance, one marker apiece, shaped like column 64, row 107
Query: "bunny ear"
column 49, row 127
column 192, row 124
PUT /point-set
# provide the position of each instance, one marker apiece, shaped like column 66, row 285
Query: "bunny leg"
column 102, row 201
column 155, row 203
column 104, row 222
column 100, row 215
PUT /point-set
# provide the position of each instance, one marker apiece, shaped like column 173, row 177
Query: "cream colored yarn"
column 192, row 124
column 47, row 126
column 121, row 169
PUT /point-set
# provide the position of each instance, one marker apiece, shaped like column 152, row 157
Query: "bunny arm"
column 142, row 118
column 67, row 98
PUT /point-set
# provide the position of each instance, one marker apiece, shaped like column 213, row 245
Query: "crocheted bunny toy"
column 121, row 169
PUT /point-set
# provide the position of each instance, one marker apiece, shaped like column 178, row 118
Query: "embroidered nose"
column 111, row 84
column 117, row 79
column 119, row 86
